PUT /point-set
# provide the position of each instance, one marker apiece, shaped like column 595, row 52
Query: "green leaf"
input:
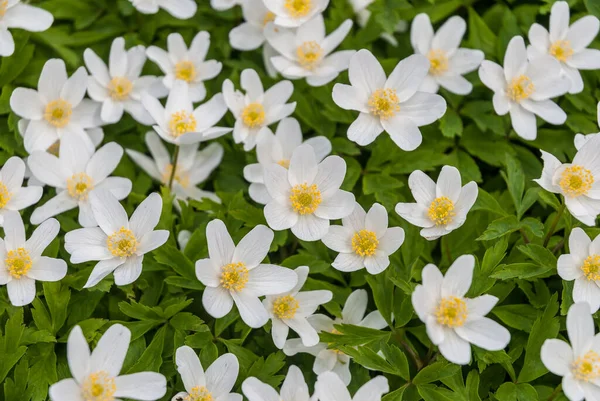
column 515, row 178
column 593, row 7
column 487, row 202
column 151, row 359
column 450, row 124
column 169, row 255
column 435, row 371
column 520, row 317
column 480, row 35
column 499, row 228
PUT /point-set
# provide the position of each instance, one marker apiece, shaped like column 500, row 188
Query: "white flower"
column 119, row 87
column 119, row 243
column 183, row 238
column 454, row 322
column 329, row 387
column 388, row 104
column 179, row 123
column 307, row 195
column 294, row 388
column 581, row 139
column 256, row 109
column 187, row 65
column 96, row 374
column 295, row 13
column 524, row 88
column 222, row 5
column 76, row 173
column 181, row 9
column 214, row 384
column 307, row 52
column 578, row 181
column 363, row 15
column 13, row 196
column 448, row 62
column 582, row 264
column 56, row 107
column 96, row 135
column 235, row 274
column 21, row 260
column 329, row 359
column 14, row 14
column 578, row 363
column 364, row 240
column 567, row 44
column 278, row 149
column 290, row 310
column 193, row 166
column 441, row 207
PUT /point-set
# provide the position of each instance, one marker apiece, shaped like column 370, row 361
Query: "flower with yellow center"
column 253, row 115
column 58, row 113
column 5, row 195
column 591, row 267
column 119, row 88
column 364, row 243
column 234, row 276
column 520, row 88
column 451, row 312
column 441, row 211
column 99, row 386
column 309, row 54
column 123, row 243
column 586, row 367
column 384, row 103
column 79, row 186
column 438, row 60
column 185, row 71
column 305, row 198
column 198, row 393
column 575, row 181
column 18, row 262
column 561, row 50
column 181, row 123
column 285, row 307
column 298, row 8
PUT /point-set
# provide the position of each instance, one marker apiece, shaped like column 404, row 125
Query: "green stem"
column 555, row 392
column 174, row 167
column 554, row 224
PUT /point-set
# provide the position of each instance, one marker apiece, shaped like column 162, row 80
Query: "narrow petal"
column 217, row 301
column 557, row 356
column 145, row 386
column 253, row 248
column 270, row 279
column 111, row 349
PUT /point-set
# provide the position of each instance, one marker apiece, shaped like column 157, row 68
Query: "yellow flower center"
column 284, row 163
column 183, row 178
column 384, row 103
column 298, row 8
column 441, row 211
column 79, row 186
column 3, row 7
column 253, row 115
column 119, row 88
column 365, row 242
column 305, row 198
column 18, row 262
column 199, row 393
column 451, row 312
column 575, row 181
column 561, row 50
column 181, row 123
column 5, row 195
column 309, row 54
column 438, row 61
column 58, row 112
column 122, row 243
column 586, row 367
column 185, row 71
column 269, row 17
column 285, row 307
column 234, row 276
column 591, row 267
column 99, row 386
column 520, row 88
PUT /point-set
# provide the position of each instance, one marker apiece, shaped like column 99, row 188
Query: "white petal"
column 572, row 389
column 557, row 356
column 110, row 351
column 480, row 306
column 48, row 269
column 129, row 271
column 403, row 131
column 220, row 244
column 459, row 276
column 407, row 76
column 217, row 301
column 145, row 386
column 251, row 309
column 373, row 390
column 391, row 241
column 449, row 183
column 484, row 333
column 303, row 166
column 365, row 129
column 270, row 279
column 65, row 390
column 145, row 217
column 355, row 307
column 492, row 76
column 21, row 291
column 587, row 291
column 515, row 58
column 365, row 72
column 253, row 248
column 60, row 203
column 78, row 354
column 523, row 122
column 339, row 238
column 330, row 387
column 348, row 262
column 455, row 349
column 421, row 33
column 108, row 212
column 350, row 98
column 582, row 32
column 101, row 270
column 310, row 227
column 14, row 230
column 450, row 34
column 255, row 390
column 422, row 108
column 27, row 103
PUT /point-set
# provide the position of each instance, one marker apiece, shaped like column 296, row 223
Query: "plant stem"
column 559, row 213
column 555, row 392
column 173, row 166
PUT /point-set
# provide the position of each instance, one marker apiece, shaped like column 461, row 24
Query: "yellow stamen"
column 591, row 267
column 364, row 243
column 298, row 8
column 99, row 386
column 384, row 103
column 119, row 88
column 199, row 393
column 285, row 307
column 284, row 163
column 451, row 312
column 586, row 367
column 575, row 181
column 520, row 88
column 305, row 198
column 441, row 211
column 309, row 54
column 122, row 243
column 234, row 276
column 438, row 60
column 5, row 195
column 58, row 113
column 185, row 71
column 18, row 262
column 561, row 50
column 181, row 123
column 181, row 177
column 253, row 115
column 79, row 186
column 269, row 17
column 3, row 7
